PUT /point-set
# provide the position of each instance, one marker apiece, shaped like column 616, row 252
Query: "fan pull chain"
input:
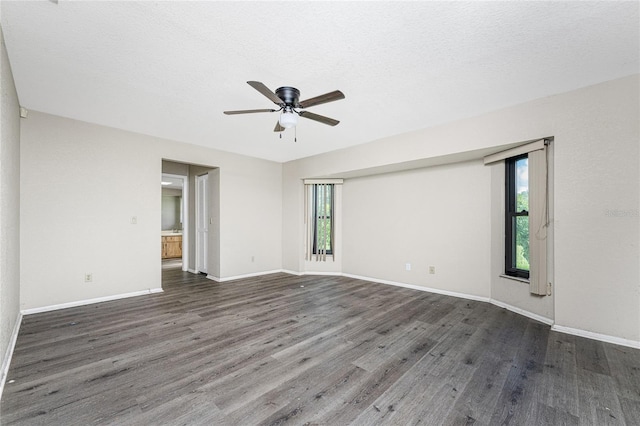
column 295, row 134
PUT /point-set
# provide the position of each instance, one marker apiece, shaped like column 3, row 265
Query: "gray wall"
column 9, row 210
column 434, row 216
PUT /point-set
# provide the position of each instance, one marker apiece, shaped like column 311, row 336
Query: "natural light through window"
column 517, row 217
column 522, row 222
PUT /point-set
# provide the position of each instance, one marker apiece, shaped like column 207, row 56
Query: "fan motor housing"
column 289, row 95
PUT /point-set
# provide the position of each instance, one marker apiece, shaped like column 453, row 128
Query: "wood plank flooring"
column 281, row 349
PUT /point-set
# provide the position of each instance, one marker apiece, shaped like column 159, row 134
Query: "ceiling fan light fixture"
column 288, row 119
column 286, row 98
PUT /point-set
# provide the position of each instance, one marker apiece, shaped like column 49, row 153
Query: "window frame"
column 510, row 214
column 317, row 217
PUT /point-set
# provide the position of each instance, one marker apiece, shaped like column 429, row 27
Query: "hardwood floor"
column 281, row 349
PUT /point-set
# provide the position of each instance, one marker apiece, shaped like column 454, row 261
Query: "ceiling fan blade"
column 278, row 127
column 322, row 99
column 248, row 111
column 265, row 91
column 316, row 117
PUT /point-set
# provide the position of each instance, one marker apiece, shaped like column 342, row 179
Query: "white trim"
column 202, row 202
column 193, row 271
column 9, row 353
column 239, row 277
column 519, row 311
column 581, row 333
column 510, row 277
column 421, row 288
column 89, row 301
column 328, row 274
column 186, row 226
column 596, row 336
column 522, row 312
column 323, row 181
column 526, row 147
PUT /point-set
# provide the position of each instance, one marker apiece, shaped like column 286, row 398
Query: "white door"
column 202, row 222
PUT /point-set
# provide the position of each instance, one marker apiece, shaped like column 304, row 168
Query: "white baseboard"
column 9, row 353
column 577, row 332
column 522, row 312
column 239, row 277
column 326, row 274
column 596, row 336
column 421, row 288
column 568, row 330
column 287, row 271
column 193, row 271
column 89, row 301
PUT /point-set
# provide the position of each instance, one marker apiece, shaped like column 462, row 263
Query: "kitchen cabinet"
column 171, row 246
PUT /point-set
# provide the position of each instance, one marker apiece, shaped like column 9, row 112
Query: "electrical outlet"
column 134, row 220
column 548, row 289
column 432, row 269
column 88, row 277
column 253, row 258
column 407, row 266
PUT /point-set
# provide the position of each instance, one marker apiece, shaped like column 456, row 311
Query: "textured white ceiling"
column 170, row 68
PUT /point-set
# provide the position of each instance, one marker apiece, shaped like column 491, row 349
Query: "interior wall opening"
column 189, row 217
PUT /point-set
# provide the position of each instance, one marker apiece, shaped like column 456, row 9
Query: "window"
column 320, row 218
column 527, row 211
column 323, row 219
column 517, row 216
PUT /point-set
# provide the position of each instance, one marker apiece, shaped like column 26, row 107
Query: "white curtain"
column 319, row 216
column 538, row 207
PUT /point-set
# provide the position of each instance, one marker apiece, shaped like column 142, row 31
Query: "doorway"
column 200, row 217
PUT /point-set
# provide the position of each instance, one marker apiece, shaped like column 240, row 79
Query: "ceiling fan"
column 287, row 100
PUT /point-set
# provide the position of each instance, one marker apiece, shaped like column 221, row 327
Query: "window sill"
column 509, row 277
column 313, row 258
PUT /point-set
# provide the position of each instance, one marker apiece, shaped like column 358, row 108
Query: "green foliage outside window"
column 323, row 198
column 323, row 236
